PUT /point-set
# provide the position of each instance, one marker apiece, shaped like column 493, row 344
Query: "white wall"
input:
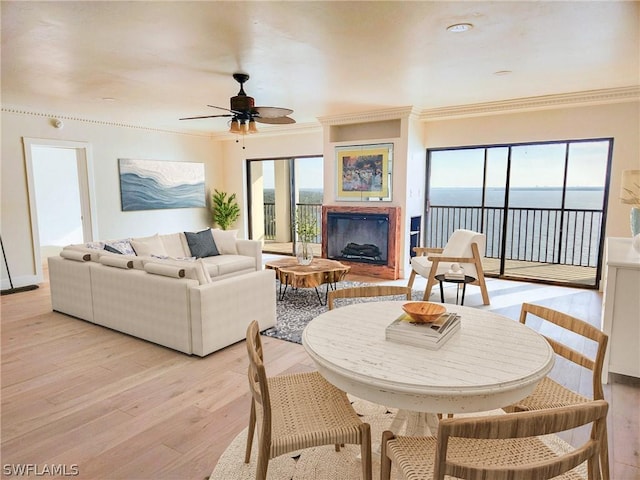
column 108, row 142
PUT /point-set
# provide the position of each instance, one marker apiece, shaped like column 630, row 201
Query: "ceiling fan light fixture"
column 252, row 126
column 235, row 126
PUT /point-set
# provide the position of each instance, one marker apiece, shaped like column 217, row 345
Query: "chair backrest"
column 459, row 245
column 258, row 384
column 368, row 291
column 522, row 425
column 579, row 327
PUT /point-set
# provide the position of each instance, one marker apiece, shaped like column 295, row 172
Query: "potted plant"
column 306, row 230
column 225, row 209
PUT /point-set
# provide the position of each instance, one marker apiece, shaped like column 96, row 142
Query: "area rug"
column 300, row 306
column 324, row 463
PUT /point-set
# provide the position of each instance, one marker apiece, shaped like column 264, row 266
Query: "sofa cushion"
column 175, row 245
column 149, row 246
column 225, row 264
column 201, row 244
column 122, row 246
column 225, row 241
column 201, row 272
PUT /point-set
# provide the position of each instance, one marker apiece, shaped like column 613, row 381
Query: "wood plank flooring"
column 117, row 407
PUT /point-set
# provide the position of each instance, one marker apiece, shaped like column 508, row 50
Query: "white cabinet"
column 621, row 308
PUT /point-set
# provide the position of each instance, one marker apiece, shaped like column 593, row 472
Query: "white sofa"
column 195, row 306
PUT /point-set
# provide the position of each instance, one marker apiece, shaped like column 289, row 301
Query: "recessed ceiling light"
column 108, row 99
column 459, row 27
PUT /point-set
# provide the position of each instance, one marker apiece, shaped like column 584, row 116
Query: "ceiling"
column 150, row 63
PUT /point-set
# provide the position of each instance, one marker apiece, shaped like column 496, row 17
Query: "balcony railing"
column 305, row 209
column 546, row 235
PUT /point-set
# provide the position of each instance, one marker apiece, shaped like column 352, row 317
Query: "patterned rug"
column 300, row 306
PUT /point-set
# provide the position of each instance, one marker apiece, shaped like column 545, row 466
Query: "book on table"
column 453, row 276
column 429, row 335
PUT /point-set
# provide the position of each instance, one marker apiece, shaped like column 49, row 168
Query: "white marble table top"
column 491, row 362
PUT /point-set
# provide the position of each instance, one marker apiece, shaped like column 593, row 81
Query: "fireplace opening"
column 358, row 237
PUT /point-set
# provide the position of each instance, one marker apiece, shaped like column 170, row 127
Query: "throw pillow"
column 201, row 244
column 109, row 248
column 148, row 246
column 226, row 241
column 122, row 246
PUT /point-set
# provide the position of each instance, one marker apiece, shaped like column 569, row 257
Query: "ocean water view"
column 583, row 198
column 537, row 230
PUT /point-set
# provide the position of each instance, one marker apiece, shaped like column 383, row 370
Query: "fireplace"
column 365, row 238
column 358, row 237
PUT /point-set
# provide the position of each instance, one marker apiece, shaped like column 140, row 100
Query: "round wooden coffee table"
column 320, row 271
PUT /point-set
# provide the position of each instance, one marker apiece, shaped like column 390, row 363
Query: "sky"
column 309, row 171
column 539, row 165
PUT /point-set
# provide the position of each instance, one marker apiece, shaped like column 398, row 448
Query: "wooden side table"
column 467, row 279
column 321, row 271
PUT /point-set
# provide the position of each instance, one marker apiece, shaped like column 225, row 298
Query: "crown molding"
column 576, row 99
column 297, row 128
column 62, row 116
column 369, row 116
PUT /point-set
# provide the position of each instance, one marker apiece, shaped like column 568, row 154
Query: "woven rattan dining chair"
column 368, row 291
column 548, row 393
column 298, row 411
column 499, row 447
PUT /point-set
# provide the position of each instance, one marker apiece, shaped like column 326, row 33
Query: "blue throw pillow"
column 202, row 244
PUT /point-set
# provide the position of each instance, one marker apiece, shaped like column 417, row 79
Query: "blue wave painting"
column 151, row 185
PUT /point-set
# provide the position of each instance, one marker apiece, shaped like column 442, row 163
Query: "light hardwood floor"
column 117, row 407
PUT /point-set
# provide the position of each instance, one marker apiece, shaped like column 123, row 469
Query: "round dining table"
column 492, row 361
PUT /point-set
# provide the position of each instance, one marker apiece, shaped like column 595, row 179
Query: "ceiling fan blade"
column 236, row 112
column 271, row 112
column 275, row 120
column 207, row 116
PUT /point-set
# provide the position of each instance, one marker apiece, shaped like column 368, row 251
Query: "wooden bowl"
column 423, row 312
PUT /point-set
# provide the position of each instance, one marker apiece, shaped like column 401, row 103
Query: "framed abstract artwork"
column 364, row 172
column 154, row 184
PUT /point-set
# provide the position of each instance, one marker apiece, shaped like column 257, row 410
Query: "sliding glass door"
column 541, row 206
column 278, row 188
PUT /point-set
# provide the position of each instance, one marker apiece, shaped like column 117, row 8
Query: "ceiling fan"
column 244, row 114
